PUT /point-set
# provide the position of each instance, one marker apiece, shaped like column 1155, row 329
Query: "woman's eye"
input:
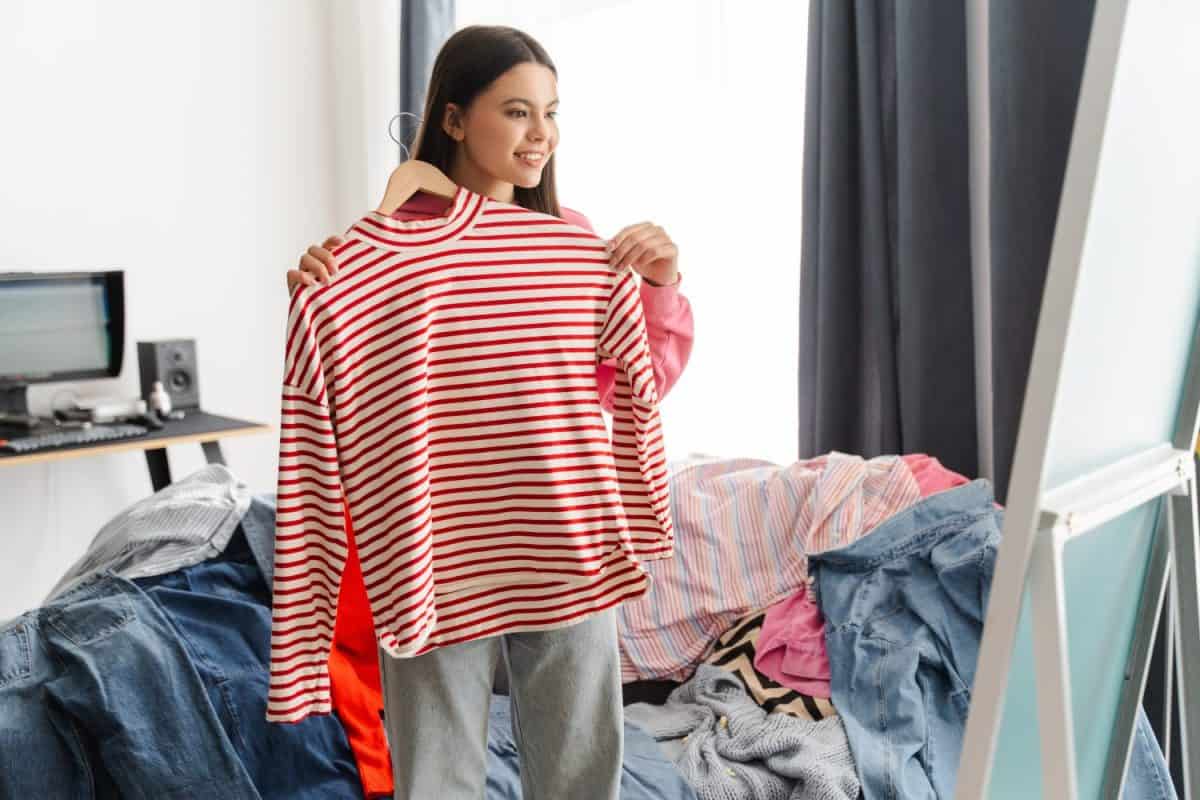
column 551, row 114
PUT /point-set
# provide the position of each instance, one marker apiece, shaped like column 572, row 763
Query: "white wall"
column 195, row 147
column 689, row 114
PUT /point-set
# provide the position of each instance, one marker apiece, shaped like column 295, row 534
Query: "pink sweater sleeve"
column 669, row 327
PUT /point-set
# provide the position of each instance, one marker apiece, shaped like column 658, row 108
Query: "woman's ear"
column 452, row 122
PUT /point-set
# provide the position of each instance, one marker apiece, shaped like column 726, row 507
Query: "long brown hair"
column 468, row 63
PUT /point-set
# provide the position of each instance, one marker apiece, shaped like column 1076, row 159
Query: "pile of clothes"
column 846, row 594
column 814, row 636
column 144, row 673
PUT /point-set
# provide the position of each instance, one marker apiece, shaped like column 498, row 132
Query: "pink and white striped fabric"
column 744, row 529
column 445, row 383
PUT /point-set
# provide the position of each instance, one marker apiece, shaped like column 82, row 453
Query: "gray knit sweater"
column 734, row 750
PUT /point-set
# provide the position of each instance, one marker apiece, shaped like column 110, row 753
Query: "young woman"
column 489, row 124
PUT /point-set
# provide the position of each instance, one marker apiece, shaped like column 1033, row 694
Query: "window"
column 690, row 115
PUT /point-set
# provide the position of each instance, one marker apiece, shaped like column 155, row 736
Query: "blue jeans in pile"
column 904, row 609
column 221, row 610
column 99, row 698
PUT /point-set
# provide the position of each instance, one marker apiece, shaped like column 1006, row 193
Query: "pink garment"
column 791, row 646
column 931, row 476
column 668, row 314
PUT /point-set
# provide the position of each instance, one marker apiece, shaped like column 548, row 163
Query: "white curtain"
column 690, row 115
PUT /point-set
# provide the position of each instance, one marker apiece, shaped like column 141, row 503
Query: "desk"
column 197, row 426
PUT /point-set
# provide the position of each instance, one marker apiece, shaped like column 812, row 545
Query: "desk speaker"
column 173, row 362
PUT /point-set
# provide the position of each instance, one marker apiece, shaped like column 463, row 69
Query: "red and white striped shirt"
column 445, row 383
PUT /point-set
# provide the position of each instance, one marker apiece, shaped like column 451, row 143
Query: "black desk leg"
column 212, row 453
column 160, row 470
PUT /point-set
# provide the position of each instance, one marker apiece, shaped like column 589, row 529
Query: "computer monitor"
column 58, row 326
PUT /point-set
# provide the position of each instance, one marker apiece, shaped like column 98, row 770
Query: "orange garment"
column 354, row 678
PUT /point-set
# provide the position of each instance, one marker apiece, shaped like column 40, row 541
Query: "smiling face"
column 507, row 134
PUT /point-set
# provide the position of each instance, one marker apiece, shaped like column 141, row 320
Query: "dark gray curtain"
column 887, row 353
column 886, row 346
column 887, row 327
column 1037, row 54
column 424, row 26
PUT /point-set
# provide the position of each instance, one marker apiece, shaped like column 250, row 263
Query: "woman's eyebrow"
column 553, row 102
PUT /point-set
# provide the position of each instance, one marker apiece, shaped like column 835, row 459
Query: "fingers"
column 629, row 229
column 623, row 242
column 633, row 258
column 317, row 265
column 324, row 259
column 297, row 277
column 635, row 243
column 619, row 243
column 314, row 268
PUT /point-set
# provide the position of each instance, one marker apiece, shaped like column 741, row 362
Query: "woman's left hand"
column 647, row 249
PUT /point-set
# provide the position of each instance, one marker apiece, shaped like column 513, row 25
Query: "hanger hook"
column 395, row 139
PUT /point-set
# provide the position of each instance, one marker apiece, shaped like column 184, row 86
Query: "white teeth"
column 530, row 157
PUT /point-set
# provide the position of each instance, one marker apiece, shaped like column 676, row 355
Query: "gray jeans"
column 567, row 714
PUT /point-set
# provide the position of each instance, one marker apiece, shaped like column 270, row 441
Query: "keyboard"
column 72, row 436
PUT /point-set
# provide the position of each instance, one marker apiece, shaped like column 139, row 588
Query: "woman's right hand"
column 316, row 266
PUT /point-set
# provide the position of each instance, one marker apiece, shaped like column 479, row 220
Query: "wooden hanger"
column 410, row 177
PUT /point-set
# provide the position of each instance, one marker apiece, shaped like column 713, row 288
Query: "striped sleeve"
column 310, row 535
column 636, row 426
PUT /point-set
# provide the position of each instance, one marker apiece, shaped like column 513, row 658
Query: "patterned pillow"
column 734, row 651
